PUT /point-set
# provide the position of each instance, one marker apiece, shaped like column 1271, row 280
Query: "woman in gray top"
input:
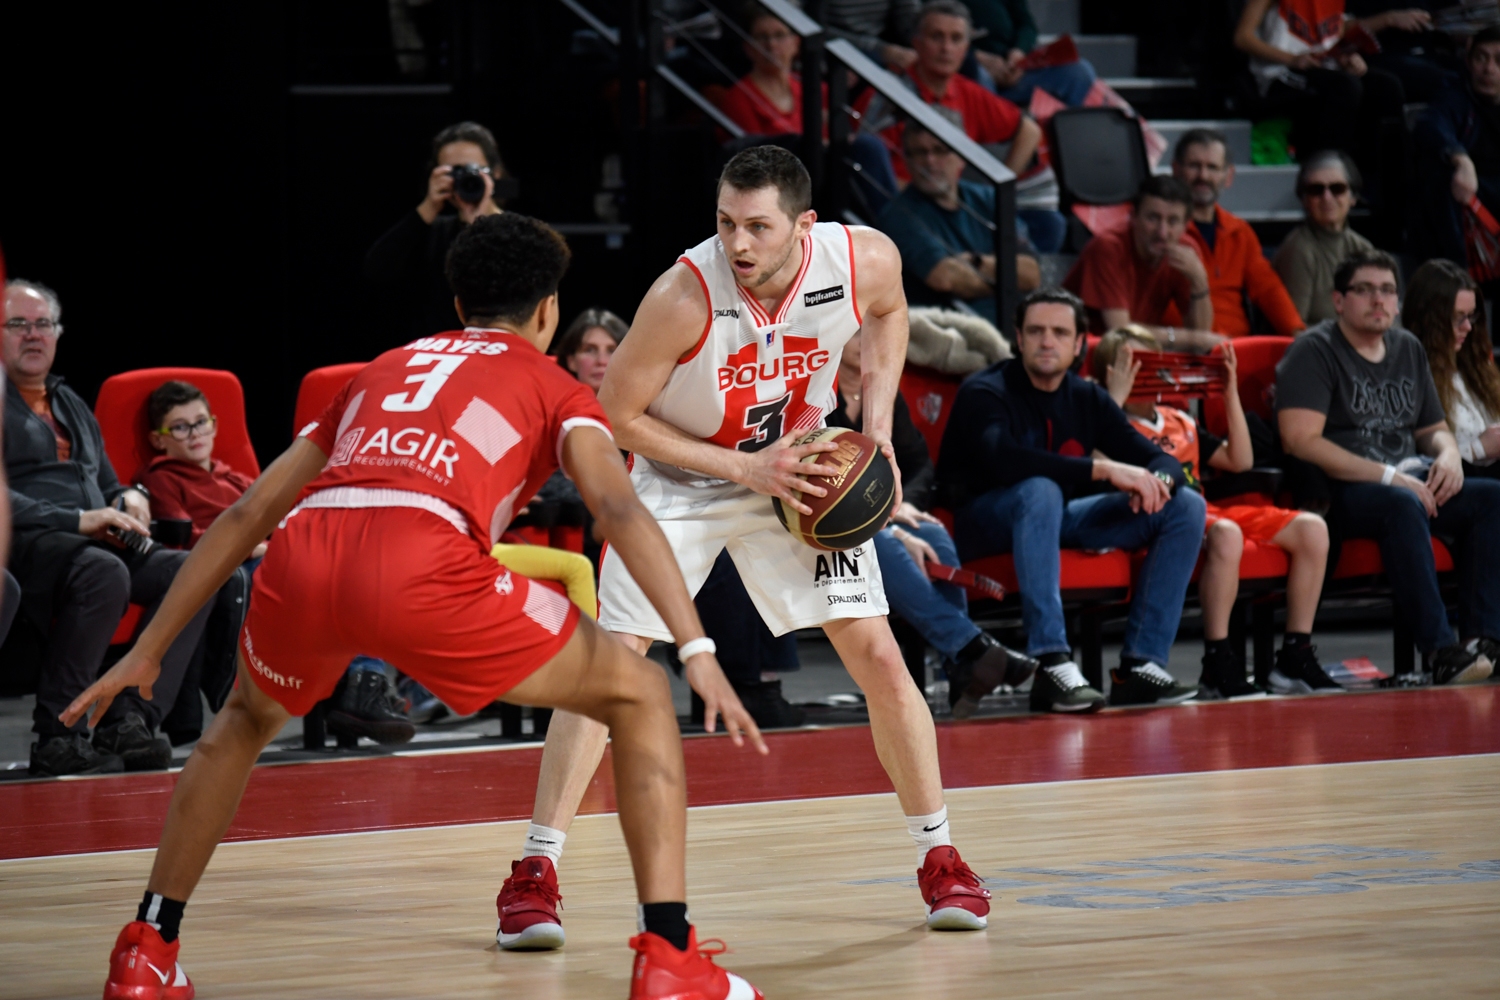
column 1328, row 184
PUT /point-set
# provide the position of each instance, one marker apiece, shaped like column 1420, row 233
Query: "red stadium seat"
column 319, row 386
column 1361, row 557
column 1258, row 357
column 1081, row 572
column 929, row 396
column 121, row 412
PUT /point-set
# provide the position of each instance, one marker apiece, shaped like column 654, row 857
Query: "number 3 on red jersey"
column 430, row 382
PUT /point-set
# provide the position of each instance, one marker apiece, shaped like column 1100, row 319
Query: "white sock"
column 929, row 832
column 544, row 842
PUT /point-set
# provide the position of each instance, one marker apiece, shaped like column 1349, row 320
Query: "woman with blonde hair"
column 1445, row 310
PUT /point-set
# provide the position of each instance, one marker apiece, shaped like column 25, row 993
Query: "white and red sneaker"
column 664, row 973
column 144, row 967
column 528, row 905
column 955, row 898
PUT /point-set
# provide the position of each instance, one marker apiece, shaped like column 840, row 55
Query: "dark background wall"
column 185, row 179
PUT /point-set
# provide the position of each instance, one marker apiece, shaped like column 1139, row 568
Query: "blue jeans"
column 361, row 664
column 1045, row 229
column 940, row 611
column 876, row 178
column 1070, row 84
column 1470, row 525
column 1032, row 521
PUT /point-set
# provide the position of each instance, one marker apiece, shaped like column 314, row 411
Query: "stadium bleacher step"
column 1054, row 17
column 1156, row 96
column 1236, row 130
column 1111, row 55
column 1264, row 194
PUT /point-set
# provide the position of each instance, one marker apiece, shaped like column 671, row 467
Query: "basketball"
column 859, row 498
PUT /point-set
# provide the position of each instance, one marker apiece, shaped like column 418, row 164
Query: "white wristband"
column 1388, row 475
column 702, row 644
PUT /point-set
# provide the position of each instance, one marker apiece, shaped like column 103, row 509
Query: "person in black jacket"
column 404, row 269
column 976, row 662
column 78, row 548
column 1016, row 469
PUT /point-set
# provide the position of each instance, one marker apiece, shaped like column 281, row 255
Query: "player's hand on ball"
column 777, row 470
column 133, row 670
column 707, row 678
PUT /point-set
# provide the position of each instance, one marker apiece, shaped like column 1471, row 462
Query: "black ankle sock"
column 1215, row 647
column 670, row 920
column 1053, row 659
column 974, row 650
column 1296, row 640
column 167, row 916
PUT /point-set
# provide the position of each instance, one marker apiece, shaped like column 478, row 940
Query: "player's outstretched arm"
column 877, row 262
column 668, row 324
column 593, row 461
column 227, row 543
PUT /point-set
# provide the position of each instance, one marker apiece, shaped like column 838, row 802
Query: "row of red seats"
column 1092, row 581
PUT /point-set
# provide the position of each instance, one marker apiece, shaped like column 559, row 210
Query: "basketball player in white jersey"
column 732, row 354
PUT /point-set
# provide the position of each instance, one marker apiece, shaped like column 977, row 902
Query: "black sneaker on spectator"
column 1490, row 650
column 979, row 675
column 1060, row 687
column 1224, row 680
column 134, row 742
column 1464, row 663
column 368, row 705
column 1147, row 684
column 55, row 756
column 1297, row 671
column 422, row 706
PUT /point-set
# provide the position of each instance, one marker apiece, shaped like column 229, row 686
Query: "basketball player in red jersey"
column 405, row 482
column 734, row 353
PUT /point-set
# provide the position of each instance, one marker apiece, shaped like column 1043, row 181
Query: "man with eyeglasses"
column 1355, row 397
column 73, row 522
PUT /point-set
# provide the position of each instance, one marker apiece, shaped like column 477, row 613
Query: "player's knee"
column 1225, row 542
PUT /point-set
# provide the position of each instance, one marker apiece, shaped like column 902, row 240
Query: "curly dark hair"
column 169, row 395
column 502, row 266
column 1428, row 312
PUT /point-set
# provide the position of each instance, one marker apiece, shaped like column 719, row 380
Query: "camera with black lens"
column 468, row 183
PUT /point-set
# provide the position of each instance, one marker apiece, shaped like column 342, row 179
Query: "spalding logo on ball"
column 859, row 497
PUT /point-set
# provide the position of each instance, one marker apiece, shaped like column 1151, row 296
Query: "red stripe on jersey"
column 853, row 288
column 786, row 302
column 757, row 311
column 708, row 304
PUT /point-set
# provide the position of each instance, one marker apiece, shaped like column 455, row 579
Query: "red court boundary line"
column 45, row 819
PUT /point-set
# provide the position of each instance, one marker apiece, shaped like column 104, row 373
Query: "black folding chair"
column 1098, row 154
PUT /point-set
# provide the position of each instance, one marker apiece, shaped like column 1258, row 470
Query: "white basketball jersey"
column 752, row 376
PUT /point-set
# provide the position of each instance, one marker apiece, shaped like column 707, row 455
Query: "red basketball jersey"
column 473, row 421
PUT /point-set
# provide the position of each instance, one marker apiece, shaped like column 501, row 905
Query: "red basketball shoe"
column 528, row 905
column 664, row 973
column 955, row 899
column 144, row 967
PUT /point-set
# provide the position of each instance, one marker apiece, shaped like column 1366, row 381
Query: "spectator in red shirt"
column 768, row 101
column 186, row 482
column 1146, row 272
column 941, row 42
column 1237, row 267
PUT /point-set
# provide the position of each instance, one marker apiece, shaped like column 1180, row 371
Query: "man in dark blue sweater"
column 1015, row 468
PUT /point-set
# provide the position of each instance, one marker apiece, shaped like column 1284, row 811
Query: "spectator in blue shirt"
column 1017, row 469
column 944, row 228
column 1458, row 143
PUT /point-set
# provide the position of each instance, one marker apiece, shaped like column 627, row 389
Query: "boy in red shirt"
column 186, row 482
column 385, row 511
column 1303, row 535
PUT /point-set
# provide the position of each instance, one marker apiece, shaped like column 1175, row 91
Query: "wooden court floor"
column 1378, row 879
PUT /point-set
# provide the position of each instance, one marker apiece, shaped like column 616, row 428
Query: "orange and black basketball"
column 859, row 497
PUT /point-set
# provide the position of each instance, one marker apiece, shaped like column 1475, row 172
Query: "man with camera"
column 81, row 548
column 404, row 269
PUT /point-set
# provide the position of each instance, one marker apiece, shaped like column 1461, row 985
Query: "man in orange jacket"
column 1237, row 269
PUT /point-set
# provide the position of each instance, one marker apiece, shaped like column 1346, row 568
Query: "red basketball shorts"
column 1259, row 524
column 404, row 586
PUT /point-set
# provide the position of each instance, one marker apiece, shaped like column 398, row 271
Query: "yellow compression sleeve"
column 542, row 563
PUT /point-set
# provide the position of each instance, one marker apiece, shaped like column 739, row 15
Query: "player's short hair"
column 1344, row 274
column 771, row 166
column 502, row 266
column 1199, row 137
column 1104, row 353
column 1054, row 296
column 167, row 397
column 1165, row 187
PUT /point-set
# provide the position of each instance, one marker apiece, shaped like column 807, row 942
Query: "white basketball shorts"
column 792, row 585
